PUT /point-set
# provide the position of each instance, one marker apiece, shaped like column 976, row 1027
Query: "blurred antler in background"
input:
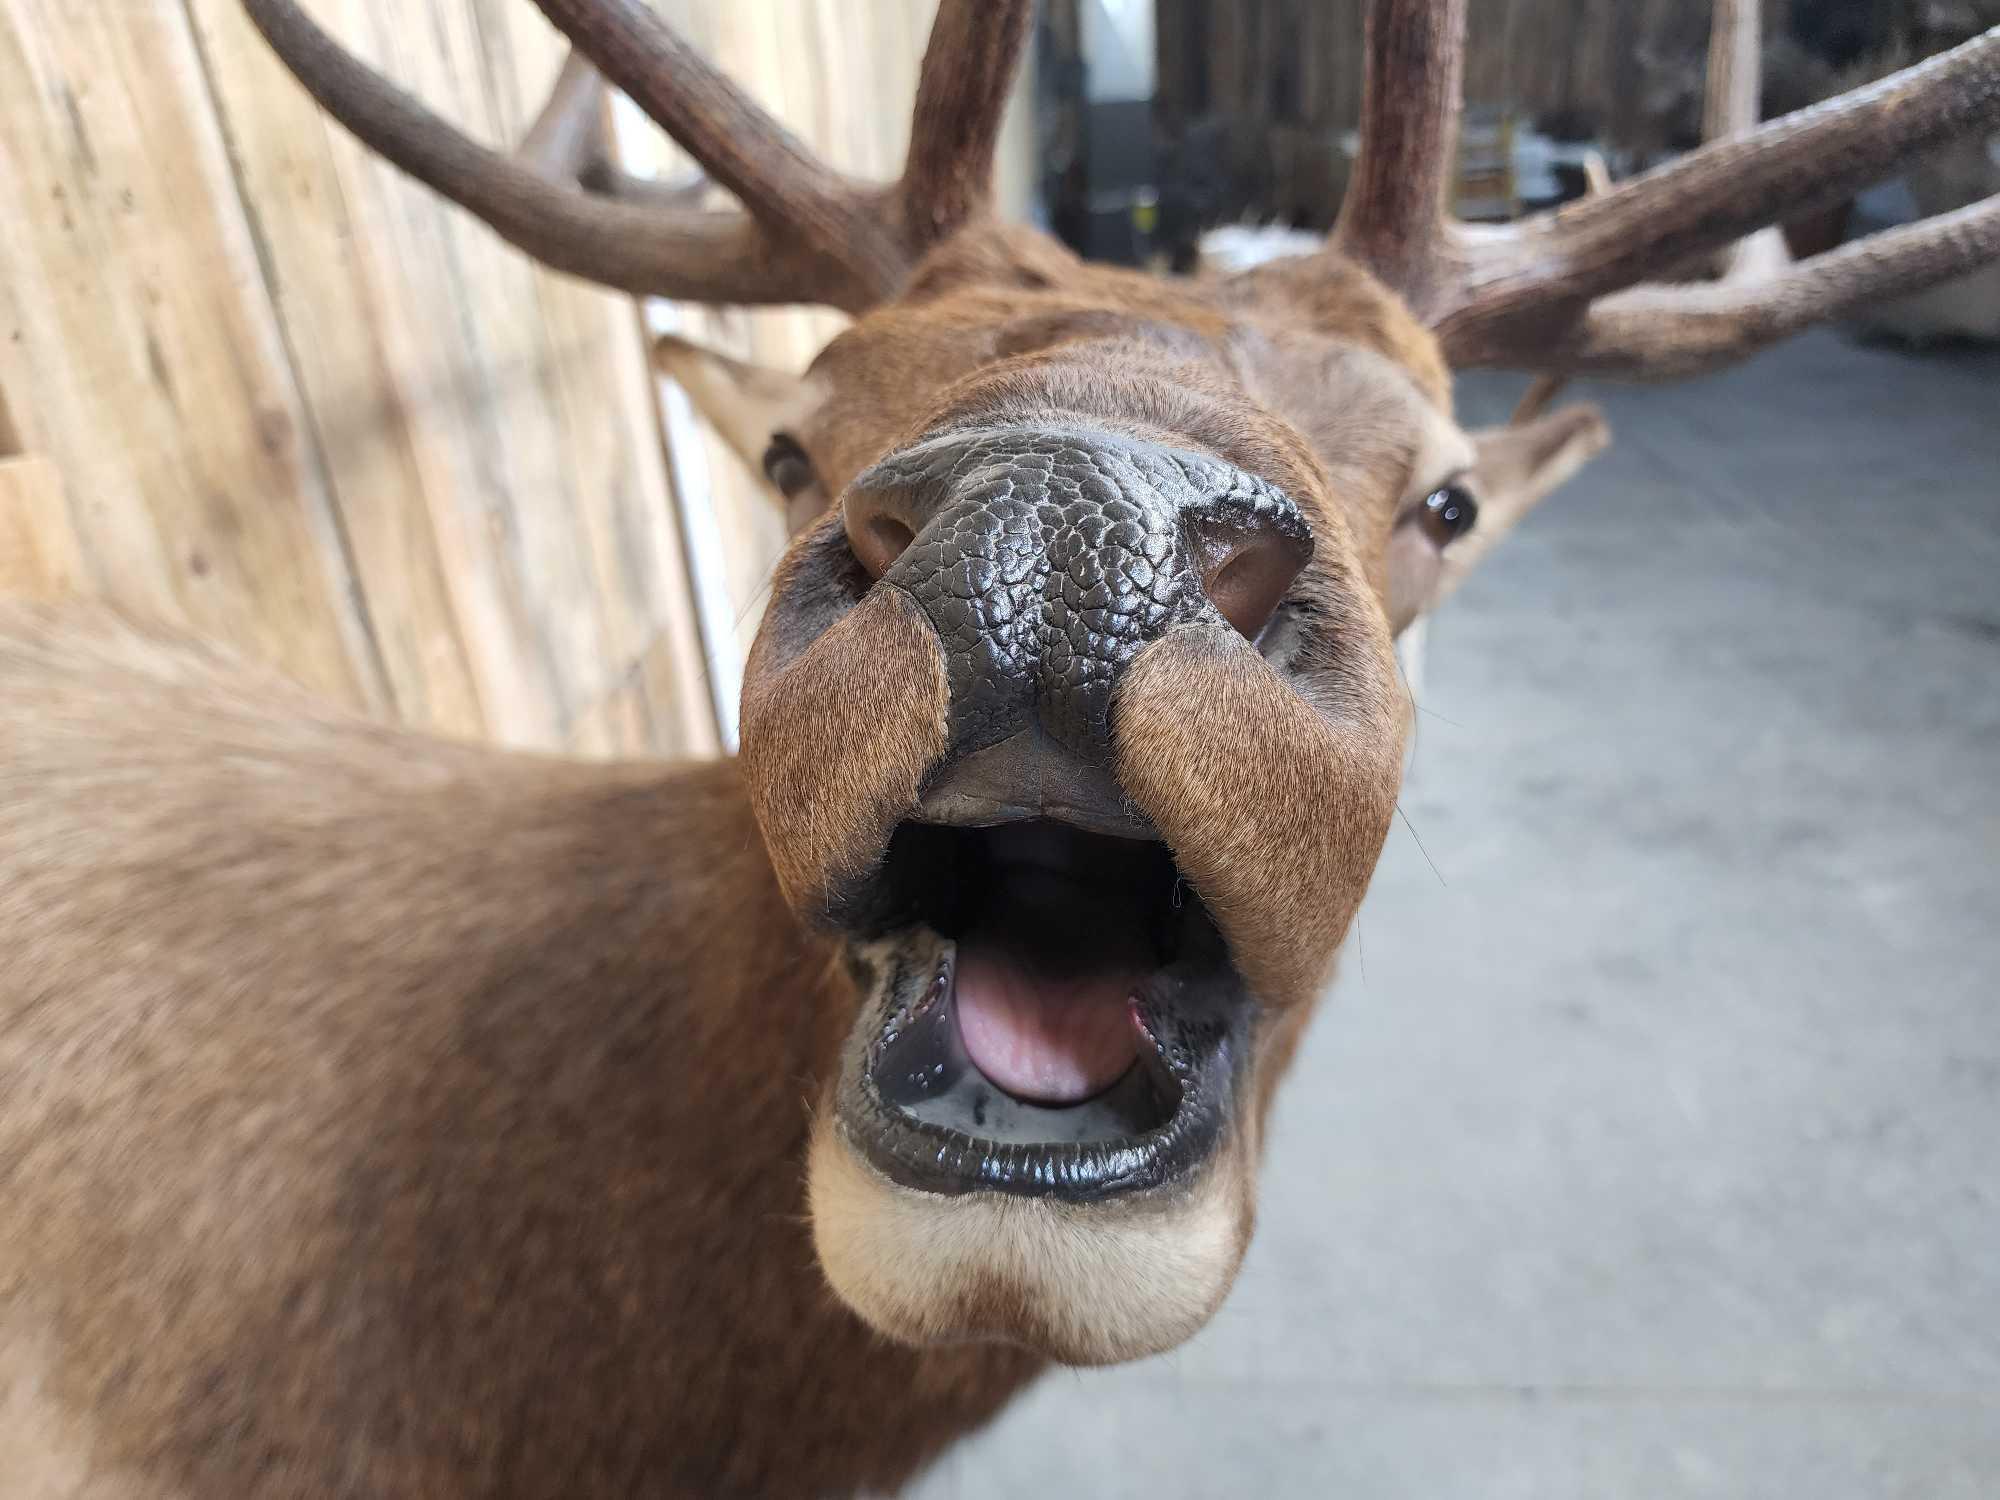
column 1562, row 290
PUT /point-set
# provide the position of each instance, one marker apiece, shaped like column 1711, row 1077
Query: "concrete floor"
column 1650, row 1146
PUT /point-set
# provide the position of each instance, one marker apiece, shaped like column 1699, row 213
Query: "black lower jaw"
column 1194, row 1016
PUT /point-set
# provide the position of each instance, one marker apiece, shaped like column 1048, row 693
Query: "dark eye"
column 1447, row 514
column 786, row 466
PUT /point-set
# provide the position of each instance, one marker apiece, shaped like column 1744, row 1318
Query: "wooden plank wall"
column 301, row 405
column 278, row 392
column 307, row 409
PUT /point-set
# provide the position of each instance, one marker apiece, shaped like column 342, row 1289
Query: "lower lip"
column 930, row 1156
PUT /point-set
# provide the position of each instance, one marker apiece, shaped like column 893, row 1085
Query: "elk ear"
column 1516, row 466
column 748, row 404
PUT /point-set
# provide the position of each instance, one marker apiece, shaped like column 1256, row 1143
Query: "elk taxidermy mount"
column 382, row 1116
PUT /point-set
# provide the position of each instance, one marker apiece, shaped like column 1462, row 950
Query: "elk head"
column 1074, row 714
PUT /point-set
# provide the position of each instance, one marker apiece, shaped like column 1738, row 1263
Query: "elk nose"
column 1048, row 559
column 1246, row 563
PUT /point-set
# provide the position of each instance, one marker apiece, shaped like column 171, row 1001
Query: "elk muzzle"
column 1009, row 727
column 1047, row 560
column 1008, row 624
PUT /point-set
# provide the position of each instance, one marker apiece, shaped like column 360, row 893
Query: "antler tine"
column 1732, row 104
column 968, row 71
column 1394, row 213
column 1668, row 332
column 1556, row 262
column 567, row 137
column 767, row 168
column 1732, row 89
column 626, row 237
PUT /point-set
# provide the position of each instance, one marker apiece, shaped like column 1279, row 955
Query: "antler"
column 1560, row 291
column 1394, row 217
column 1732, row 104
column 803, row 233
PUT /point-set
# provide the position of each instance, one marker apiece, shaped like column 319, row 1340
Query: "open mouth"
column 1055, row 1013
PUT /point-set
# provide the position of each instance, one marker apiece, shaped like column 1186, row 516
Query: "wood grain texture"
column 313, row 409
column 39, row 554
column 140, row 354
column 311, row 205
column 337, row 423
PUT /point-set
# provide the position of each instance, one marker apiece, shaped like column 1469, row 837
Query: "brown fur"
column 382, row 1116
column 873, row 684
column 1281, row 843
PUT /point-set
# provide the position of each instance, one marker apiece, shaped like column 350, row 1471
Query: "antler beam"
column 599, row 237
column 1667, row 332
column 771, row 173
column 1731, row 105
column 1516, row 280
column 804, row 233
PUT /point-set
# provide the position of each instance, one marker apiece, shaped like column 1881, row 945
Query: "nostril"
column 1246, row 571
column 877, row 535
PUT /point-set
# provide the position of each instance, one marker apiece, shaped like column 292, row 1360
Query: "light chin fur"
column 1084, row 1284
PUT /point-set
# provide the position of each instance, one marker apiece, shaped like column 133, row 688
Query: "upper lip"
column 1030, row 775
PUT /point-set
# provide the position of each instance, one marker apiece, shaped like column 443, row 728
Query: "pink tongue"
column 1048, row 1039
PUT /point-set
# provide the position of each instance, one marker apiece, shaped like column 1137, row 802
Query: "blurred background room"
column 1647, row 1144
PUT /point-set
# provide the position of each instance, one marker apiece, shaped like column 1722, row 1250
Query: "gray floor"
column 1648, row 1147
